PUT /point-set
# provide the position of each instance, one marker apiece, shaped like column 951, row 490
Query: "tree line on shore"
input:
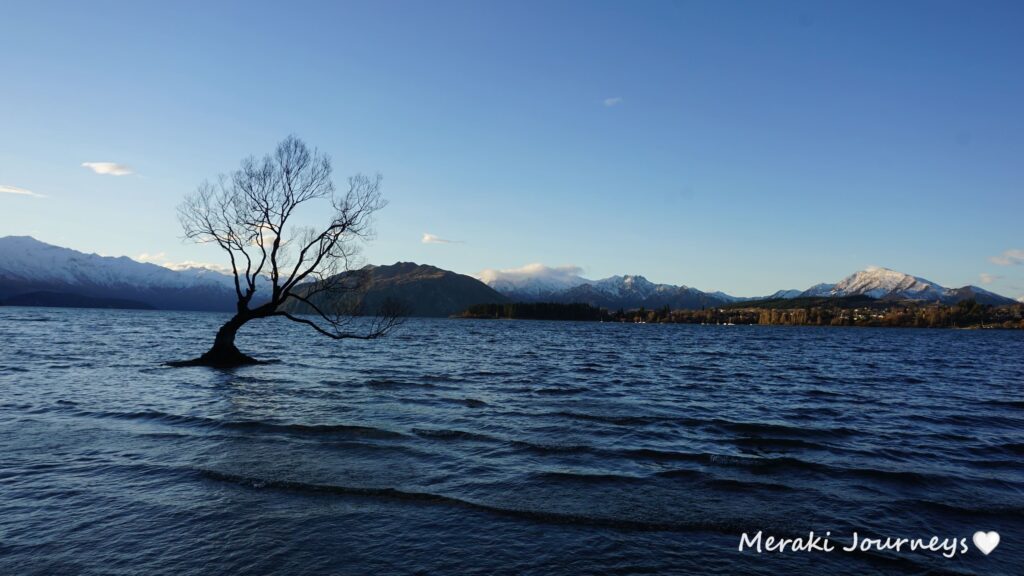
column 536, row 311
column 816, row 312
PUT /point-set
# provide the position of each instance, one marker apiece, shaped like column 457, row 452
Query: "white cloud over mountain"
column 160, row 259
column 533, row 278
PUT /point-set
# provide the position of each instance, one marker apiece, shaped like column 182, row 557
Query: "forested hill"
column 422, row 290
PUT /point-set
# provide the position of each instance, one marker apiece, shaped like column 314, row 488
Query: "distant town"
column 843, row 311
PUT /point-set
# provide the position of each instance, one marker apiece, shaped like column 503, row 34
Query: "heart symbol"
column 986, row 541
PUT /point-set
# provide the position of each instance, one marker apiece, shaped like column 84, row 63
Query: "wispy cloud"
column 5, row 189
column 429, row 238
column 613, row 101
column 108, row 168
column 987, row 278
column 1011, row 256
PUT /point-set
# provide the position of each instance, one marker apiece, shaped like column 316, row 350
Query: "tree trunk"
column 223, row 353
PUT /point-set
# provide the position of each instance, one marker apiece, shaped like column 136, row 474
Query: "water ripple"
column 499, row 447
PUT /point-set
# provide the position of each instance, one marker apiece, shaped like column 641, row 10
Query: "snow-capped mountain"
column 27, row 259
column 823, row 289
column 636, row 291
column 635, row 286
column 883, row 282
column 36, row 273
column 536, row 283
column 786, row 294
column 532, row 282
column 892, row 285
column 29, row 266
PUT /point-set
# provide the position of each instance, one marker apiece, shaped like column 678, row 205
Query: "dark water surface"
column 477, row 447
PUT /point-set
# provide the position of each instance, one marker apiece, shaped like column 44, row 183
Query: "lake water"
column 497, row 447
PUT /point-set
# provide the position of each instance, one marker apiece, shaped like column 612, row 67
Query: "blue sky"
column 736, row 146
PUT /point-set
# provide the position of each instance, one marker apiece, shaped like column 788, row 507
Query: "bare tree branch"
column 249, row 214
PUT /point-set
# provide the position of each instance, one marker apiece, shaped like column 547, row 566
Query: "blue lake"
column 502, row 447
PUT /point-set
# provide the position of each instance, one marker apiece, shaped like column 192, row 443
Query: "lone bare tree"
column 247, row 215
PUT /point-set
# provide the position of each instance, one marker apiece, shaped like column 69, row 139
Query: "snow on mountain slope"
column 533, row 280
column 636, row 286
column 536, row 282
column 28, row 266
column 823, row 289
column 26, row 259
column 885, row 283
column 788, row 294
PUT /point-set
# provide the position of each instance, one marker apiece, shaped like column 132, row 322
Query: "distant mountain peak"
column 786, row 294
column 878, row 282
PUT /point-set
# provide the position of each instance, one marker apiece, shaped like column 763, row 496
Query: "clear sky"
column 736, row 146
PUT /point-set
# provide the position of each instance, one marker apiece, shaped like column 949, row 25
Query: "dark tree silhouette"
column 248, row 214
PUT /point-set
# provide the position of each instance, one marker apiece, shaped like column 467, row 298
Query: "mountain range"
column 636, row 291
column 34, row 273
column 633, row 292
